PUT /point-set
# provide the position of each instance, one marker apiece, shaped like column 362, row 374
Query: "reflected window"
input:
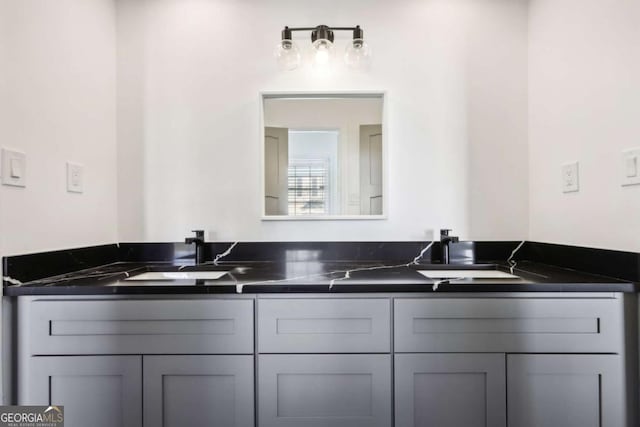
column 312, row 172
column 308, row 192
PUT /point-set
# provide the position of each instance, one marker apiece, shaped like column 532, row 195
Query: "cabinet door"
column 197, row 391
column 565, row 390
column 450, row 390
column 324, row 390
column 96, row 391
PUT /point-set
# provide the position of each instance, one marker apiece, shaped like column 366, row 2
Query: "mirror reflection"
column 323, row 155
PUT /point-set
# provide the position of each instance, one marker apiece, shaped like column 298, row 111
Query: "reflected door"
column 371, row 169
column 276, row 162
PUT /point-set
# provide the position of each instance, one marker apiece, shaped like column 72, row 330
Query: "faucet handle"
column 199, row 234
column 445, row 231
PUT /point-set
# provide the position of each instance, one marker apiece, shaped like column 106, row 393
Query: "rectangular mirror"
column 323, row 156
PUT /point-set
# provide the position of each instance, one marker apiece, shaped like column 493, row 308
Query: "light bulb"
column 358, row 54
column 287, row 55
column 322, row 53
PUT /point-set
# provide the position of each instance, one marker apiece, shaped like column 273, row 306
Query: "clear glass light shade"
column 322, row 53
column 287, row 55
column 358, row 54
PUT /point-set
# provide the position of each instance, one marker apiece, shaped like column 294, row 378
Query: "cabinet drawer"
column 141, row 326
column 509, row 325
column 324, row 390
column 324, row 326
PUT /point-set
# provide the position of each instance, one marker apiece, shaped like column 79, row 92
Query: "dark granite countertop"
column 313, row 276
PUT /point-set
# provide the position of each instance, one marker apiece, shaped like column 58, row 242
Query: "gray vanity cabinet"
column 450, row 362
column 565, row 390
column 303, row 390
column 196, row 391
column 88, row 355
column 450, row 390
column 96, row 391
column 547, row 360
column 297, row 388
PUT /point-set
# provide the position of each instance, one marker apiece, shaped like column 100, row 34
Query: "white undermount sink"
column 179, row 275
column 467, row 274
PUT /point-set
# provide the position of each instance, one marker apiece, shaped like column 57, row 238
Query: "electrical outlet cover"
column 14, row 168
column 570, row 178
column 75, row 178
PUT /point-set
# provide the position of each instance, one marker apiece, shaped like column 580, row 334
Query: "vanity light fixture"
column 357, row 53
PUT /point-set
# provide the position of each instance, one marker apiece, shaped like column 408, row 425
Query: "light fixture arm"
column 322, row 32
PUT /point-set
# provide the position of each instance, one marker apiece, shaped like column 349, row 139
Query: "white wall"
column 456, row 73
column 189, row 74
column 57, row 104
column 584, row 105
column 188, row 83
column 4, row 108
column 4, row 105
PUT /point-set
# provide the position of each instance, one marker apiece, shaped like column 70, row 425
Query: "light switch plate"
column 14, row 168
column 570, row 178
column 631, row 167
column 75, row 178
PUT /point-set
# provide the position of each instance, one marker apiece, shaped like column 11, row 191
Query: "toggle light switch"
column 631, row 167
column 14, row 168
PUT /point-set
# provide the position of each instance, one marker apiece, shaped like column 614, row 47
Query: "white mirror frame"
column 385, row 152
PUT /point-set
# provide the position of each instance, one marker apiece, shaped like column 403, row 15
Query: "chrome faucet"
column 445, row 239
column 198, row 240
